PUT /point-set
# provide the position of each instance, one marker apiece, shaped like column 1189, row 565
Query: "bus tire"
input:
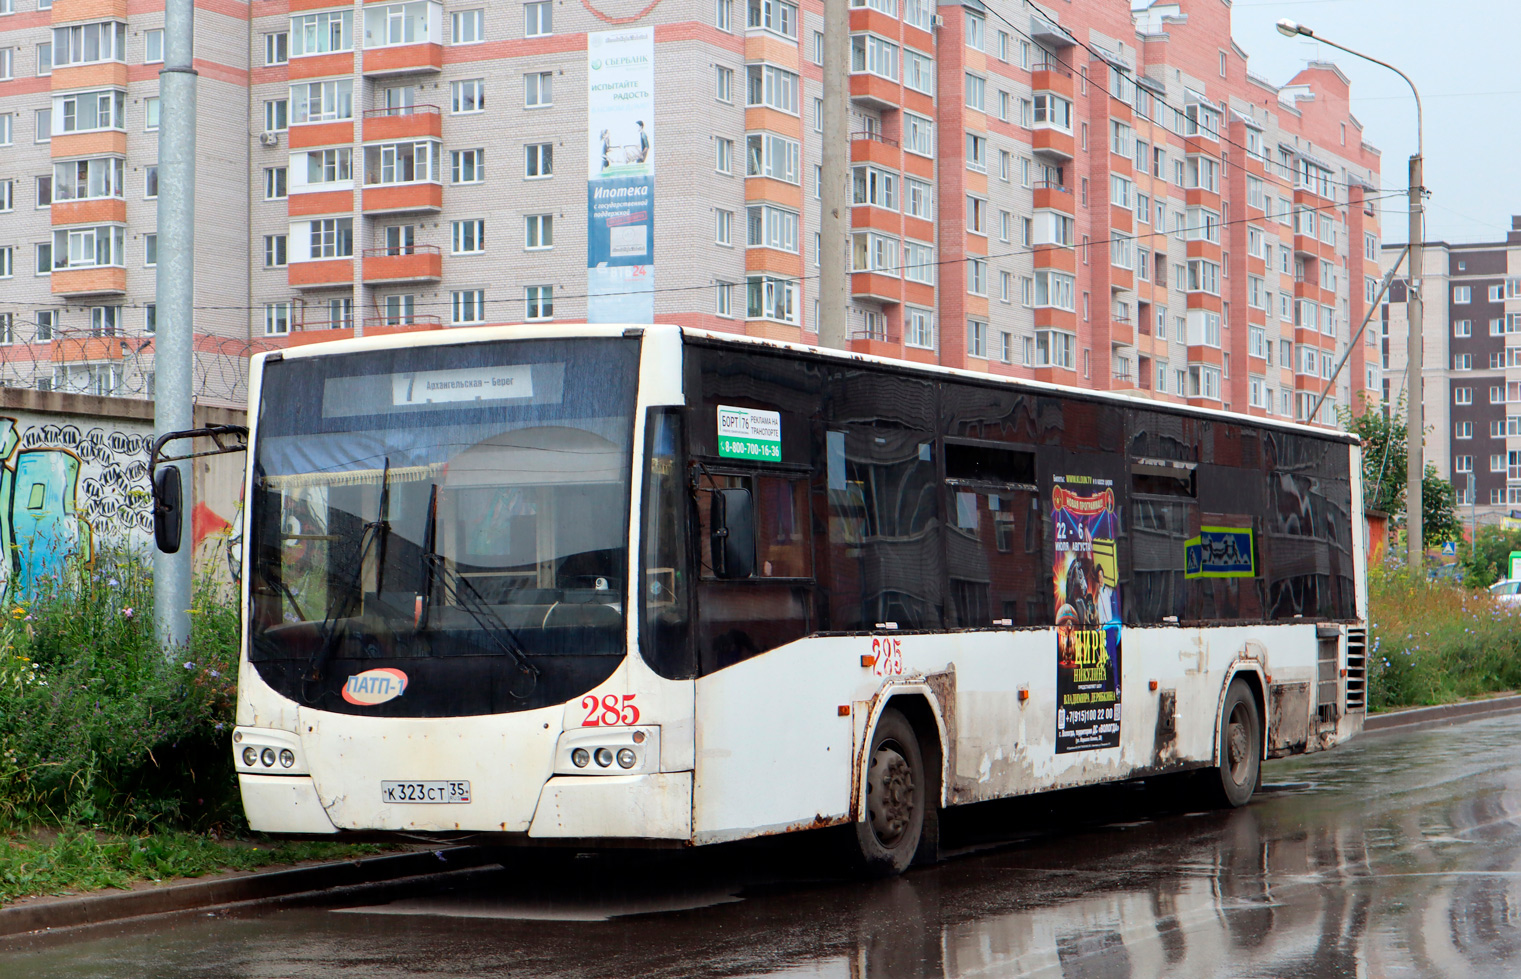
column 1240, row 767
column 893, row 816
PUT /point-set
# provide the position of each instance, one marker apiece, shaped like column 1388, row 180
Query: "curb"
column 98, row 908
column 1443, row 714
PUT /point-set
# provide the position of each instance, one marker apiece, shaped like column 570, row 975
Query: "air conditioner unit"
column 269, row 139
column 939, row 21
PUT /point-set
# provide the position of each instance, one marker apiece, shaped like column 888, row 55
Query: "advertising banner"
column 620, row 187
column 1085, row 576
column 1220, row 552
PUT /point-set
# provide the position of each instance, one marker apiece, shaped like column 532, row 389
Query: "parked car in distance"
column 1507, row 591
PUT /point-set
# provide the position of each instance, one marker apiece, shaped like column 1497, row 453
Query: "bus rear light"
column 843, row 710
column 1152, row 686
column 868, row 660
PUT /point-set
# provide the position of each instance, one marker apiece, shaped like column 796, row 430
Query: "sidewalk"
column 1442, row 714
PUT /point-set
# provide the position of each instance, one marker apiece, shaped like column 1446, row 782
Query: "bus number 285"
column 887, row 652
column 610, row 711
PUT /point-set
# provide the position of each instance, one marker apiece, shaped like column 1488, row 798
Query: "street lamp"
column 1415, row 354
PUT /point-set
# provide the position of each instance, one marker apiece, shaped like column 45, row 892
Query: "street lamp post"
column 1415, row 354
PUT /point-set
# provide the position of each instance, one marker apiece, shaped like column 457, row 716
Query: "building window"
column 768, row 297
column 723, row 15
column 150, row 319
column 7, row 262
column 723, row 304
column 150, row 250
column 1462, row 396
column 467, row 166
column 330, row 101
column 44, row 254
column 467, row 237
column 769, row 155
column 539, row 231
column 538, row 160
column 276, row 319
column 275, row 183
column 467, row 26
column 89, row 247
column 768, row 85
column 976, row 338
column 918, row 135
column 153, row 47
column 724, row 162
column 105, row 321
column 538, row 19
column 539, row 302
column 332, row 238
column 150, row 113
column 47, row 322
column 468, row 95
column 1462, row 430
column 723, row 88
column 724, row 233
column 274, row 251
column 776, row 16
column 538, row 89
column 1462, row 294
column 276, row 48
column 276, row 115
column 467, row 306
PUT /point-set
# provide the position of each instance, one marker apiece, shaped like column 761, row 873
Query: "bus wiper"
column 458, row 590
column 380, row 529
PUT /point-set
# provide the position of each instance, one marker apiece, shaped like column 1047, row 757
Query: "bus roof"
column 483, row 334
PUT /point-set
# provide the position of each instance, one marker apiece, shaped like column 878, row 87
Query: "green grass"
column 1437, row 643
column 76, row 859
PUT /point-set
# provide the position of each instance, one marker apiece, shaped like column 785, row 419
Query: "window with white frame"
column 769, row 226
column 724, row 161
column 874, row 186
column 325, row 32
column 1462, row 294
column 874, row 252
column 976, row 215
column 539, row 302
column 387, row 25
column 976, row 92
column 918, row 71
column 976, row 31
column 538, row 161
column 1462, row 396
column 772, row 298
column 276, row 319
column 1055, row 289
column 274, row 251
column 1202, row 173
column 275, row 183
column 977, row 152
column 1055, row 348
column 723, row 15
column 332, row 238
column 467, row 237
column 770, row 155
column 977, row 276
column 776, row 16
column 1462, row 430
column 87, row 111
column 977, row 338
column 77, row 180
column 467, row 306
column 919, row 328
column 276, row 115
column 7, row 261
column 329, row 101
column 538, row 231
column 414, row 161
column 538, row 19
column 918, row 198
column 467, row 26
column 919, row 262
column 1203, row 276
column 467, row 96
column 771, row 86
column 83, row 44
column 538, row 89
column 1051, row 111
column 724, row 227
column 467, row 166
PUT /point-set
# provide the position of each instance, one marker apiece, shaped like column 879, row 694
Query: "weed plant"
column 1437, row 642
column 98, row 726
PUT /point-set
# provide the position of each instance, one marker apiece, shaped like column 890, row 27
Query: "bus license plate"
column 426, row 792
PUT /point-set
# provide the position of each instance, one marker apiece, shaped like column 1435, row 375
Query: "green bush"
column 1437, row 642
column 98, row 727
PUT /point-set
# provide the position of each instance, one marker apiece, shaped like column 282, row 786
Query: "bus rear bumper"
column 283, row 804
column 657, row 806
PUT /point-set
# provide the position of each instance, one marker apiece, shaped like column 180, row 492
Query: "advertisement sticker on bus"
column 748, row 433
column 1085, row 576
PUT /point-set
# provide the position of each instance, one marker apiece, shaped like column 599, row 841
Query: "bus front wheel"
column 1240, row 748
column 896, row 782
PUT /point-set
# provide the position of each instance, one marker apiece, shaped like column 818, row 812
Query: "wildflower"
column 189, row 666
column 19, row 612
column 127, row 612
column 214, row 674
column 113, row 583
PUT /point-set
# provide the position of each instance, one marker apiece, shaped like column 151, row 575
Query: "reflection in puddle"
column 541, row 907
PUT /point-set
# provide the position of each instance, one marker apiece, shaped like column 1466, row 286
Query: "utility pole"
column 1415, row 432
column 834, row 220
column 173, row 401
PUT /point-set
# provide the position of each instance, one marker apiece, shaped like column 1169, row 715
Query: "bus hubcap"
column 890, row 796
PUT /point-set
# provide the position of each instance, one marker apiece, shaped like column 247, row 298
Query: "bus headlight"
column 250, row 756
column 604, row 757
column 605, row 751
column 580, row 758
column 626, row 758
column 261, row 751
column 287, row 758
column 267, row 756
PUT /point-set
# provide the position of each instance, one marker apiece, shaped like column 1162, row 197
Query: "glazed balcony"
column 406, row 263
column 403, row 122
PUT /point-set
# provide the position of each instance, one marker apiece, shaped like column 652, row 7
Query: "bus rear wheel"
column 896, row 797
column 1240, row 748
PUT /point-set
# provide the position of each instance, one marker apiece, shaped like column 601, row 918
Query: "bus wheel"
column 1240, row 748
column 888, row 837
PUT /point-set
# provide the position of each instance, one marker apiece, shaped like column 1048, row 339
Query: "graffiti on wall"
column 65, row 488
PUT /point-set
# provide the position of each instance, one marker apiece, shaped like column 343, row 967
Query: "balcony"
column 403, row 198
column 402, row 122
column 1052, row 144
column 1048, row 76
column 403, row 59
column 100, row 281
column 375, row 326
column 868, row 146
column 71, row 11
column 320, row 134
column 876, row 287
column 875, row 91
column 1052, row 195
column 406, row 263
column 84, row 349
column 325, row 273
column 878, row 343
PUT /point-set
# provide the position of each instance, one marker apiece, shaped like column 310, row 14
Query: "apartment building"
column 1471, row 364
column 1097, row 194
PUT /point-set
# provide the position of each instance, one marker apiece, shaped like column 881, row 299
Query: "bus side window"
column 991, row 505
column 741, row 618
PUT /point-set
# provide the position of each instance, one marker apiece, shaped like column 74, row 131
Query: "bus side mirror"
column 732, row 518
column 168, row 515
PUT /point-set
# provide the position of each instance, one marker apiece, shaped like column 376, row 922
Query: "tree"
column 1384, row 474
column 1489, row 559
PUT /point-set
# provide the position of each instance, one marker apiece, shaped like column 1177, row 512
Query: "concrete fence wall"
column 74, row 479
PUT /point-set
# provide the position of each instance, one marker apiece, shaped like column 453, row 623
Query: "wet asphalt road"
column 1397, row 855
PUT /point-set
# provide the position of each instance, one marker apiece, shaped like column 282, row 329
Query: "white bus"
column 644, row 584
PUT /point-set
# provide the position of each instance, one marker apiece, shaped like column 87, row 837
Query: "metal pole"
column 173, row 405
column 834, row 221
column 1415, row 431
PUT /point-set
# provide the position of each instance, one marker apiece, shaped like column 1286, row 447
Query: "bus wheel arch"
column 900, row 713
column 1240, row 739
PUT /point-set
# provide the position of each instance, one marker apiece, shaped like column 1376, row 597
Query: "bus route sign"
column 749, row 433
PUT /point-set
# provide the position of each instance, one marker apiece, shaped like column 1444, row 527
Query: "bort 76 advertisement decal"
column 1085, row 576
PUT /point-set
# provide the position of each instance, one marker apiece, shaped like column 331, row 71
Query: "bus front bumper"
column 655, row 806
column 283, row 804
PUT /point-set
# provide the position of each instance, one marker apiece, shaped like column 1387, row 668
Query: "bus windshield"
column 457, row 513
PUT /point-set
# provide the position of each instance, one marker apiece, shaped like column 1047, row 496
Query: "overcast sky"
column 1461, row 54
